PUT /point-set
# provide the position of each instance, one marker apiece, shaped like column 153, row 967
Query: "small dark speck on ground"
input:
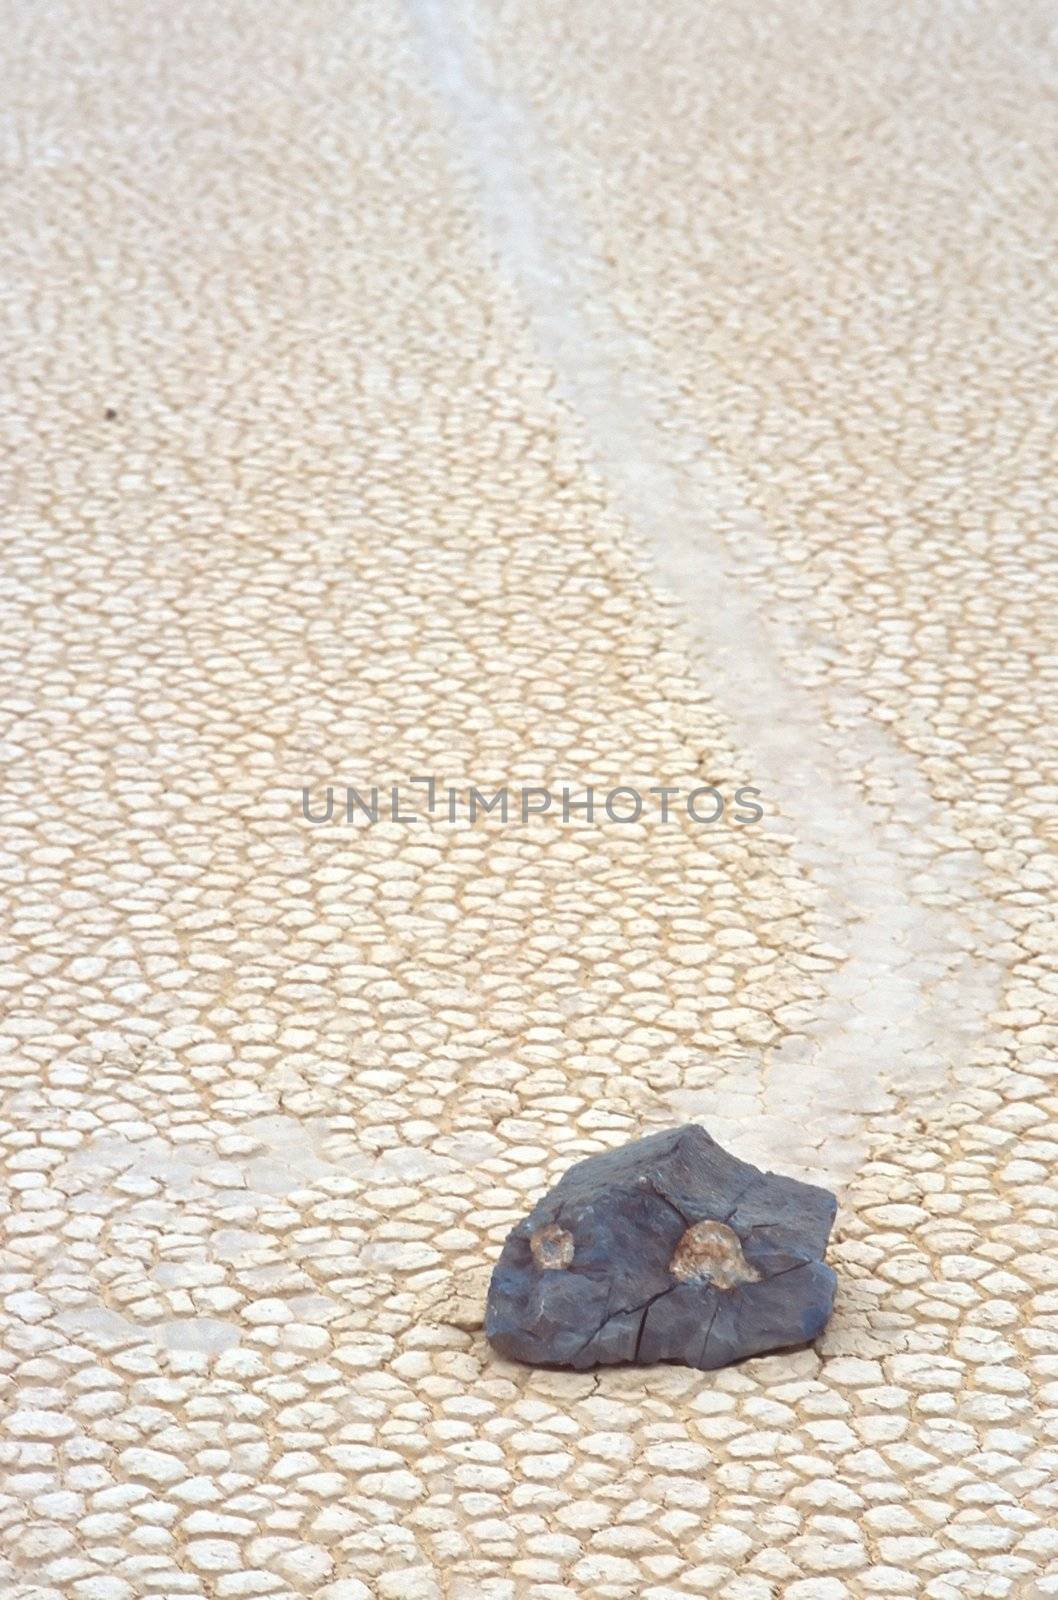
column 110, row 415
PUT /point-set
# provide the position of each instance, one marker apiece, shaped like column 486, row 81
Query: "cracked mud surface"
column 332, row 463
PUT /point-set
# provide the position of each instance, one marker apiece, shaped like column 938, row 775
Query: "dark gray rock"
column 668, row 1249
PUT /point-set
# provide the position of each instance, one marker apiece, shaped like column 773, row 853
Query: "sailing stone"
column 668, row 1249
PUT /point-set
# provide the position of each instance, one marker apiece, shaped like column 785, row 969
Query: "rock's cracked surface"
column 668, row 1249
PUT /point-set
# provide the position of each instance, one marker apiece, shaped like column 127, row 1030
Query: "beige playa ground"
column 548, row 394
